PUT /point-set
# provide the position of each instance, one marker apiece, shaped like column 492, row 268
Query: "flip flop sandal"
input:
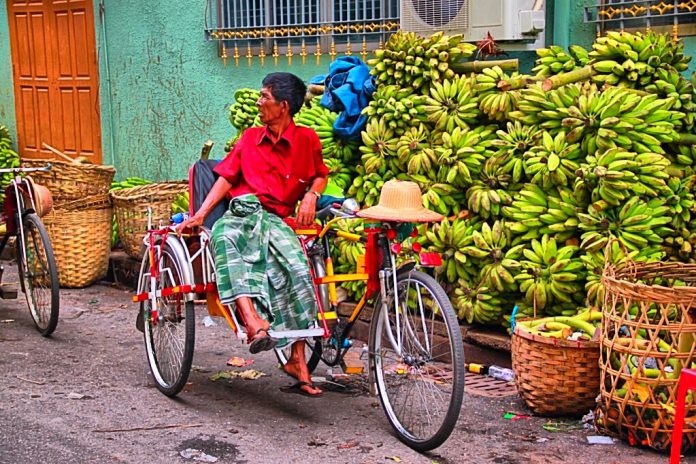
column 264, row 343
column 297, row 389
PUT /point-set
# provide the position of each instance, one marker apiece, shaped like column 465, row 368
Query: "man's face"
column 270, row 110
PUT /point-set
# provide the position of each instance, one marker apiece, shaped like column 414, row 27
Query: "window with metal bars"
column 266, row 22
column 677, row 16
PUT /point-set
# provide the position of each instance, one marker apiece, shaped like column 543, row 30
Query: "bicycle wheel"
column 168, row 327
column 38, row 274
column 417, row 360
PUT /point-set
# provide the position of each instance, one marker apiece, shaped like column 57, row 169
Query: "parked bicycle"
column 25, row 202
column 415, row 350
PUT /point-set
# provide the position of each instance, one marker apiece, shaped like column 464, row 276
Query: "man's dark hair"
column 286, row 86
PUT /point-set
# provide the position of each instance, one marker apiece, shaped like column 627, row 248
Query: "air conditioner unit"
column 506, row 20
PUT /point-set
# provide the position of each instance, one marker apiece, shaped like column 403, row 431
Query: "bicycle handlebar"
column 21, row 169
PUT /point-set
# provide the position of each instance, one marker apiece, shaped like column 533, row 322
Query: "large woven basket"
column 80, row 234
column 72, row 181
column 555, row 377
column 648, row 335
column 131, row 208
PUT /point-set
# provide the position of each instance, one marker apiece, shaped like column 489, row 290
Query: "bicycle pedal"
column 7, row 292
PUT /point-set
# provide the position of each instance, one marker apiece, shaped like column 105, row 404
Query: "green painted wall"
column 7, row 103
column 166, row 88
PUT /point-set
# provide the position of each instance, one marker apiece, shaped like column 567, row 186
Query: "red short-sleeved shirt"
column 278, row 174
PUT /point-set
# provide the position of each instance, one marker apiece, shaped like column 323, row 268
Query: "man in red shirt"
column 259, row 263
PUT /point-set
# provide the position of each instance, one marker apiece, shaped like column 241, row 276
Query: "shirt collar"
column 287, row 134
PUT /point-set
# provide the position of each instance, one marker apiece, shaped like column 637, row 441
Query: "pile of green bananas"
column 8, row 159
column 563, row 327
column 243, row 111
column 399, row 108
column 411, row 61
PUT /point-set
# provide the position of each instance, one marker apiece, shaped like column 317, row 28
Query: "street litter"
column 78, row 396
column 236, row 361
column 208, row 321
column 249, row 374
column 600, row 440
column 197, row 455
column 513, row 416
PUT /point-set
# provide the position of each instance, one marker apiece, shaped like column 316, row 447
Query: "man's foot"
column 261, row 341
column 303, row 388
column 296, row 367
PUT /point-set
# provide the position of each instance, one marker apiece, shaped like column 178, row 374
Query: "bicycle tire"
column 434, row 368
column 40, row 283
column 169, row 329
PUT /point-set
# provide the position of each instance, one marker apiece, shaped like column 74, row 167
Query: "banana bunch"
column 477, row 303
column 452, row 104
column 414, row 150
column 8, row 159
column 319, row 118
column 498, row 264
column 555, row 60
column 681, row 200
column 617, row 255
column 682, row 159
column 181, row 203
column 461, row 155
column 443, row 198
column 536, row 106
column 367, row 186
column 553, row 161
column 670, row 83
column 580, row 326
column 494, row 101
column 399, row 108
column 637, row 225
column 682, row 245
column 128, row 182
column 412, row 61
column 449, row 238
column 512, row 145
column 347, row 254
column 487, row 195
column 379, row 146
column 535, row 212
column 550, row 273
column 631, row 59
column 615, row 175
column 339, row 174
column 243, row 111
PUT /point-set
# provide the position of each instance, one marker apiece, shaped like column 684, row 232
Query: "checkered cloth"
column 258, row 255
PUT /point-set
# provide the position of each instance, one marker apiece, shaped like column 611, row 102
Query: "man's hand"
column 307, row 209
column 191, row 222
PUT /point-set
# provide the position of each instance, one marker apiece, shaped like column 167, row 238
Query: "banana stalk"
column 559, row 80
column 464, row 66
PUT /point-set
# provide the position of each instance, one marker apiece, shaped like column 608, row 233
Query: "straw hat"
column 400, row 201
column 43, row 200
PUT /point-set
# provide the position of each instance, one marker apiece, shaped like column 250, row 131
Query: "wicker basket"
column 555, row 377
column 72, row 181
column 131, row 211
column 647, row 337
column 80, row 234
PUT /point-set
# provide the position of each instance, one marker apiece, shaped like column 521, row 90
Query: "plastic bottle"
column 501, row 373
column 178, row 218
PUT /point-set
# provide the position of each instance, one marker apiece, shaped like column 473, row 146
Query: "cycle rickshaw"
column 415, row 350
column 25, row 203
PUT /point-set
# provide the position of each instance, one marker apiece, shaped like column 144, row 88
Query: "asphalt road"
column 85, row 396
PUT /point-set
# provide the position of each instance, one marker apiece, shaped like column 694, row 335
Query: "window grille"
column 676, row 16
column 265, row 25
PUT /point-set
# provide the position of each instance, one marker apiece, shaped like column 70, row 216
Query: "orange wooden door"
column 56, row 77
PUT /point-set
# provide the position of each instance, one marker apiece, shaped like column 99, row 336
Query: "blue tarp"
column 348, row 88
